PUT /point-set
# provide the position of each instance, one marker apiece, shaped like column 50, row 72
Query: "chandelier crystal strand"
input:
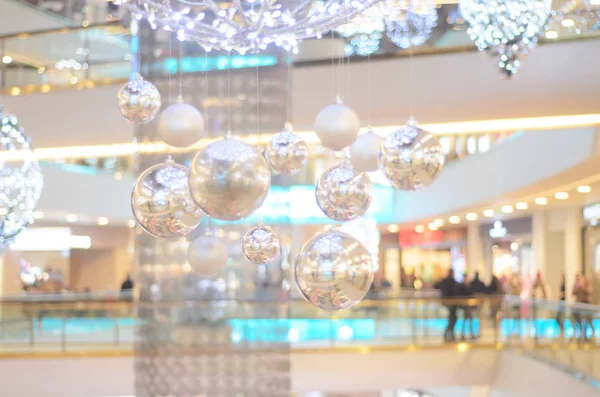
column 508, row 28
column 410, row 23
column 242, row 25
column 21, row 180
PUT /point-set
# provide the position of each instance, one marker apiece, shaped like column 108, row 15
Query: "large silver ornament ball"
column 333, row 271
column 180, row 125
column 364, row 152
column 21, row 180
column 161, row 201
column 207, row 255
column 343, row 193
column 286, row 153
column 337, row 126
column 260, row 244
column 229, row 179
column 139, row 100
column 411, row 158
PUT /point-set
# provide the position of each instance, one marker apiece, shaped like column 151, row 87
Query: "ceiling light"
column 471, row 216
column 541, row 201
column 432, row 226
column 71, row 218
column 489, row 213
column 521, row 205
column 7, row 59
column 15, row 91
column 80, row 242
column 507, row 209
column 455, row 220
column 561, row 195
column 551, row 34
column 438, row 222
column 568, row 23
column 131, row 223
column 102, row 221
column 393, row 228
column 38, row 215
column 419, row 228
column 584, row 189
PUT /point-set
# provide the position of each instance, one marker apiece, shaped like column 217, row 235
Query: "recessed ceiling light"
column 551, row 34
column 521, row 205
column 432, row 226
column 393, row 228
column 507, row 209
column 419, row 228
column 455, row 220
column 489, row 213
column 71, row 218
column 38, row 215
column 568, row 23
column 541, row 201
column 7, row 59
column 102, row 221
column 584, row 189
column 438, row 222
column 561, row 195
column 471, row 216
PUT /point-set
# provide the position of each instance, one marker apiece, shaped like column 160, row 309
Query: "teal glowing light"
column 223, row 62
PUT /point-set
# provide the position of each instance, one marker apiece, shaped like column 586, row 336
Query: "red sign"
column 410, row 238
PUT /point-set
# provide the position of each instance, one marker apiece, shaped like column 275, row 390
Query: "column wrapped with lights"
column 21, row 180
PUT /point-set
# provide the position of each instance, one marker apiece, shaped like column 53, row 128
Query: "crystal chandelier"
column 243, row 25
column 410, row 23
column 21, row 180
column 508, row 28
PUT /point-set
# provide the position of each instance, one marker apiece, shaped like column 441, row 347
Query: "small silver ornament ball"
column 364, row 152
column 343, row 193
column 161, row 201
column 207, row 255
column 260, row 244
column 229, row 179
column 337, row 126
column 333, row 271
column 411, row 158
column 286, row 153
column 139, row 100
column 180, row 125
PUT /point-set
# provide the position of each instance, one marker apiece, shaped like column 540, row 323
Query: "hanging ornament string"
column 289, row 91
column 333, row 65
column 206, row 90
column 134, row 47
column 180, row 71
column 169, row 73
column 369, row 91
column 410, row 84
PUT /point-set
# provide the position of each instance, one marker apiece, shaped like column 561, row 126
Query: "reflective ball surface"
column 411, row 158
column 229, row 179
column 139, row 100
column 260, row 244
column 343, row 193
column 207, row 255
column 333, row 271
column 364, row 152
column 180, row 125
column 286, row 153
column 161, row 201
column 337, row 126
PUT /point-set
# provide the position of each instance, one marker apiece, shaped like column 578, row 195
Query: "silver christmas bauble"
column 139, row 100
column 365, row 151
column 207, row 255
column 229, row 179
column 337, row 126
column 411, row 158
column 286, row 153
column 161, row 201
column 180, row 125
column 343, row 193
column 260, row 244
column 333, row 271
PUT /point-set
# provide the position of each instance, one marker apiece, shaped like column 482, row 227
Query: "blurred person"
column 449, row 290
column 476, row 286
column 582, row 291
column 540, row 289
column 467, row 310
column 560, row 312
column 127, row 285
column 495, row 289
column 515, row 285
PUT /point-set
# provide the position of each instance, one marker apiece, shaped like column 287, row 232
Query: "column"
column 538, row 238
column 475, row 253
column 573, row 248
